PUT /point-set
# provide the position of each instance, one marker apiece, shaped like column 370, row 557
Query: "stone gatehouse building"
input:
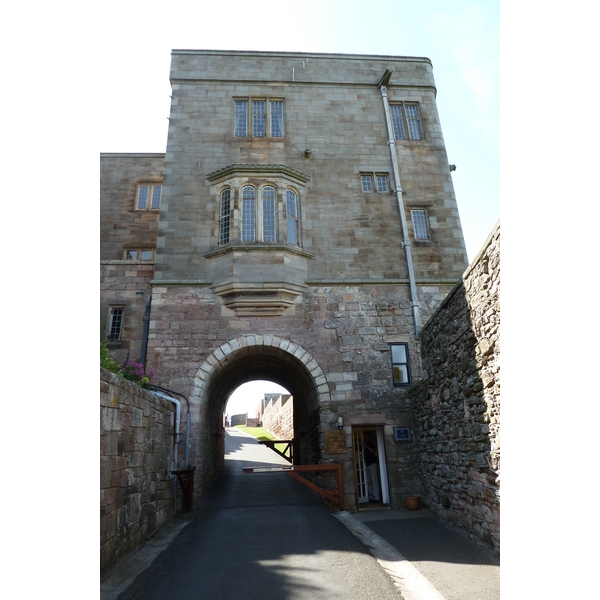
column 301, row 227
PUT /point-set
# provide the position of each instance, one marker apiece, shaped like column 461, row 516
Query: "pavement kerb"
column 411, row 583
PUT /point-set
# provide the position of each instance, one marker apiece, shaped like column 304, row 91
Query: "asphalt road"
column 262, row 536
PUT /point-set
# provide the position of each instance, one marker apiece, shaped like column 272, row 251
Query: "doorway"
column 370, row 467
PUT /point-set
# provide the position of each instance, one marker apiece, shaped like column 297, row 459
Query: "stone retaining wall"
column 457, row 404
column 136, row 449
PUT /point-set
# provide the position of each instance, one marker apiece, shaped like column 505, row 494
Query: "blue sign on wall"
column 402, row 434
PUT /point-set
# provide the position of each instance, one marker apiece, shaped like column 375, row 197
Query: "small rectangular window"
column 419, row 219
column 148, row 196
column 400, row 364
column 375, row 182
column 116, row 324
column 139, row 254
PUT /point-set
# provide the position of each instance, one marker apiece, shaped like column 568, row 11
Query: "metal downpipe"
column 176, row 440
column 398, row 187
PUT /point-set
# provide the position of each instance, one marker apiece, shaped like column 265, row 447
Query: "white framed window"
column 139, row 254
column 292, row 217
column 264, row 119
column 375, row 182
column 148, row 196
column 406, row 121
column 419, row 219
column 400, row 364
column 224, row 217
column 115, row 326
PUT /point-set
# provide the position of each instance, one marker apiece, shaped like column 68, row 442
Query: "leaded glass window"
column 142, row 199
column 148, row 196
column 225, row 217
column 414, row 121
column 241, row 118
column 277, row 119
column 367, row 184
column 268, row 214
column 405, row 115
column 248, row 218
column 292, row 217
column 116, row 324
column 259, row 118
column 397, row 121
column 156, row 194
column 419, row 220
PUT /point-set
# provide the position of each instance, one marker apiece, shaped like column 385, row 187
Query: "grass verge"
column 260, row 434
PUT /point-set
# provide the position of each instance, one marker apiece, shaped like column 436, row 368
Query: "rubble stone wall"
column 457, row 404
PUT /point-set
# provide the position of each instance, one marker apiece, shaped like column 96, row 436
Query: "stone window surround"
column 138, row 254
column 149, row 198
column 415, row 224
column 248, row 130
column 115, row 322
column 374, row 182
column 400, row 363
column 280, row 177
column 402, row 128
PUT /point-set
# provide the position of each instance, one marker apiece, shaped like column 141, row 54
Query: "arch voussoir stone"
column 236, row 348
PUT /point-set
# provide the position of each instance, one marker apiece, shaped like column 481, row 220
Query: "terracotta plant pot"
column 412, row 502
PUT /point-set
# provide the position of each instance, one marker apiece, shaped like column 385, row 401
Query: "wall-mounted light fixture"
column 307, row 153
column 340, row 423
column 452, row 167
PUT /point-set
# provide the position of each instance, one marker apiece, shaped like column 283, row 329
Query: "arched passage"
column 246, row 359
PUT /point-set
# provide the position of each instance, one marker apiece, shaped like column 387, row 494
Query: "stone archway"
column 248, row 358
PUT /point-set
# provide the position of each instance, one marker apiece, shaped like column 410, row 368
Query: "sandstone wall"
column 457, row 404
column 278, row 415
column 136, row 449
column 125, row 284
